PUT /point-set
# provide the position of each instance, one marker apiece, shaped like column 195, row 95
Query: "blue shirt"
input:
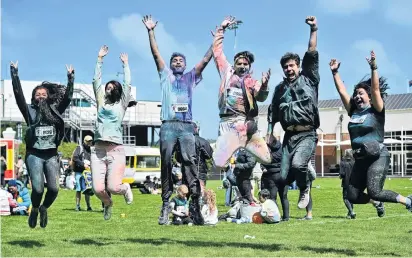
column 177, row 94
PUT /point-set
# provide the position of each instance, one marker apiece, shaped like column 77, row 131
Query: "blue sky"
column 45, row 35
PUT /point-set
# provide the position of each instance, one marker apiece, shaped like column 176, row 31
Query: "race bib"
column 181, row 209
column 42, row 131
column 235, row 92
column 358, row 119
column 180, row 107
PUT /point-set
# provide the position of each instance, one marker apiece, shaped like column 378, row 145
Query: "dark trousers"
column 274, row 183
column 244, row 185
column 173, row 133
column 297, row 149
column 370, row 174
column 40, row 165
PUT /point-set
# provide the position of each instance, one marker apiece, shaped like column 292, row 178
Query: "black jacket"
column 204, row 152
column 276, row 154
column 79, row 156
column 29, row 111
column 244, row 165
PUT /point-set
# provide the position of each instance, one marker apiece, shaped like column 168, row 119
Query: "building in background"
column 334, row 136
column 140, row 125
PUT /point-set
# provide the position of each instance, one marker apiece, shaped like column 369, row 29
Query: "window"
column 81, row 103
column 148, row 161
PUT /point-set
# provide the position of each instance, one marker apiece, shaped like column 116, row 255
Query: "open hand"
column 14, row 64
column 334, row 65
column 311, row 20
column 149, row 22
column 266, row 77
column 70, row 69
column 124, row 57
column 372, row 60
column 103, row 51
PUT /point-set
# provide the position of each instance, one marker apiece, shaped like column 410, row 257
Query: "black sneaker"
column 285, row 219
column 164, row 214
column 33, row 218
column 194, row 210
column 409, row 207
column 380, row 209
column 89, row 209
column 43, row 216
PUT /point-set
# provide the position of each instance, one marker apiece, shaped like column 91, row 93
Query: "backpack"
column 71, row 163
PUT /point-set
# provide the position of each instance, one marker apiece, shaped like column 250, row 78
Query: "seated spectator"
column 148, row 186
column 179, row 207
column 21, row 198
column 209, row 209
column 270, row 211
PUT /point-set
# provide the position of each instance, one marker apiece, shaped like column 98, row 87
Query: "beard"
column 241, row 71
column 46, row 114
column 179, row 70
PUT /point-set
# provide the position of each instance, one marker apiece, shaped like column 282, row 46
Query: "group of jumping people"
column 294, row 104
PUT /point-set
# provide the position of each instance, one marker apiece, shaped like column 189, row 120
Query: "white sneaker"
column 107, row 213
column 304, row 198
column 128, row 196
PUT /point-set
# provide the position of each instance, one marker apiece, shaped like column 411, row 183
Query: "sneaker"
column 304, row 198
column 128, row 196
column 285, row 219
column 33, row 218
column 107, row 213
column 351, row 215
column 380, row 209
column 43, row 216
column 164, row 214
column 409, row 207
column 194, row 210
column 78, row 208
column 307, row 218
column 89, row 208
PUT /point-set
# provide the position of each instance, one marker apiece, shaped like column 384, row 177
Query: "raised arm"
column 376, row 97
column 220, row 59
column 263, row 91
column 310, row 62
column 203, row 63
column 97, row 78
column 68, row 94
column 340, row 87
column 18, row 92
column 150, row 25
column 127, row 80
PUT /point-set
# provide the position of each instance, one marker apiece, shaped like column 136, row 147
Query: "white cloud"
column 363, row 47
column 344, row 6
column 399, row 12
column 130, row 31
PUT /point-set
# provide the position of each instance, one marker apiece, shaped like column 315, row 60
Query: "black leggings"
column 274, row 183
column 370, row 174
column 347, row 203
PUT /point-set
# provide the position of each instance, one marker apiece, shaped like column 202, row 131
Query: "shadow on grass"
column 322, row 250
column 26, row 243
column 83, row 211
column 89, row 241
column 194, row 243
column 333, row 217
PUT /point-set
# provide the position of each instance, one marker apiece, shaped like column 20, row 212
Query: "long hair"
column 55, row 95
column 116, row 93
column 366, row 84
column 210, row 199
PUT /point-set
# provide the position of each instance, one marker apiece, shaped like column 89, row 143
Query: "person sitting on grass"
column 179, row 207
column 209, row 209
column 270, row 211
column 20, row 205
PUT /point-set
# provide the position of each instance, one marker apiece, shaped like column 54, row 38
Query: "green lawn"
column 71, row 233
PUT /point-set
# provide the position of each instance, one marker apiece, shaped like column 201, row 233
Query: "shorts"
column 78, row 176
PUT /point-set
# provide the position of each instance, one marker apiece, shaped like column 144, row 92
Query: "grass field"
column 71, row 233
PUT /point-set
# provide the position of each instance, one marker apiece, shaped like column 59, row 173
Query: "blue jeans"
column 40, row 165
column 171, row 134
column 297, row 149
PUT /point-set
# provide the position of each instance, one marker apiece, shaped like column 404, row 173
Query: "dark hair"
column 264, row 193
column 290, row 56
column 245, row 54
column 366, row 84
column 117, row 91
column 176, row 54
column 55, row 92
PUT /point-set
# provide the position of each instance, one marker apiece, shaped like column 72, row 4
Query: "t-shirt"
column 270, row 212
column 45, row 136
column 180, row 205
column 234, row 95
column 177, row 93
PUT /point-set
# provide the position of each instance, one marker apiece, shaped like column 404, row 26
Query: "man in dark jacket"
column 81, row 162
column 204, row 152
column 243, row 170
column 271, row 178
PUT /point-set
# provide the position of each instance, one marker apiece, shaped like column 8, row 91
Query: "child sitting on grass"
column 179, row 207
column 209, row 209
column 270, row 211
